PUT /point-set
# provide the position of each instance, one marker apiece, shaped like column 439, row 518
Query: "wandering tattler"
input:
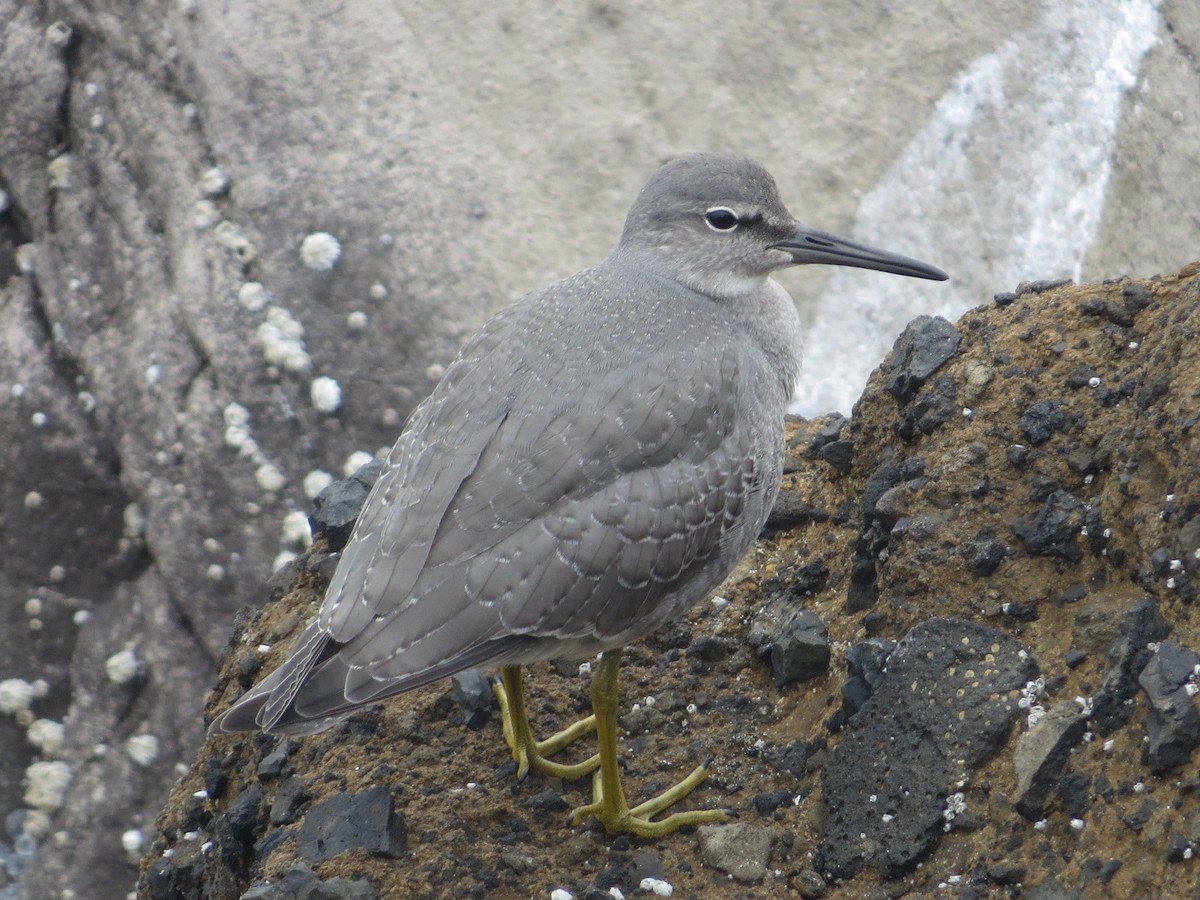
column 598, row 458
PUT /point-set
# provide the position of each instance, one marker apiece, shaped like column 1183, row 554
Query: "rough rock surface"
column 981, row 652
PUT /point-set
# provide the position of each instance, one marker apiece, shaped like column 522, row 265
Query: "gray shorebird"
column 598, row 458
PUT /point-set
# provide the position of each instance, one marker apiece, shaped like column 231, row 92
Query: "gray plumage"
column 599, row 456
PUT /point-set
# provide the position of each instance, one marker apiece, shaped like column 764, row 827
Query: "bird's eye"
column 721, row 218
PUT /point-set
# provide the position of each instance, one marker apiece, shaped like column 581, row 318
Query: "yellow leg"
column 608, row 799
column 530, row 753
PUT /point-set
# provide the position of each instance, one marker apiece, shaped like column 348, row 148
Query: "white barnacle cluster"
column 133, row 841
column 281, row 339
column 58, row 34
column 657, row 886
column 213, row 182
column 59, row 171
column 16, row 694
column 142, row 749
column 205, row 215
column 956, row 805
column 46, row 783
column 47, row 735
column 229, row 236
column 1176, row 578
column 282, row 558
column 326, row 394
column 253, row 296
column 1030, row 694
column 26, row 257
column 122, row 667
column 315, row 482
column 237, row 430
column 295, row 529
column 239, row 437
column 356, row 461
column 320, row 251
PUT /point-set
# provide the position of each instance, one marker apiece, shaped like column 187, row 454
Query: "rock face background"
column 163, row 342
column 961, row 661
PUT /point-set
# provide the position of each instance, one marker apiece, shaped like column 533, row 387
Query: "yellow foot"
column 530, row 753
column 617, row 818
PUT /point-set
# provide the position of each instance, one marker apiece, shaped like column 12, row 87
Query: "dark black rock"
column 1137, row 819
column 801, row 651
column 1074, row 658
column 301, row 883
column 826, row 434
column 336, row 508
column 1082, row 461
column 910, row 744
column 808, row 579
column 1016, row 454
column 272, row 764
column 1041, row 754
column 866, row 663
column 795, row 758
column 1053, row 531
column 1081, row 375
column 214, row 777
column 1022, row 610
column 765, row 804
column 179, row 877
column 839, row 455
column 1076, row 794
column 290, row 797
column 1127, row 656
column 244, row 815
column 473, row 692
column 934, row 407
column 547, row 801
column 924, row 346
column 790, row 511
column 1136, row 296
column 1155, row 388
column 1006, row 874
column 710, row 649
column 1004, row 298
column 874, row 622
column 982, row 554
column 1041, row 421
column 886, row 476
column 1172, row 723
column 1040, row 286
column 1117, row 313
column 338, row 889
column 1109, row 869
column 158, row 880
column 1073, row 593
column 861, row 592
column 350, row 821
column 1179, row 848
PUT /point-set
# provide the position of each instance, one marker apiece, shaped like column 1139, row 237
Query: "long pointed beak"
column 807, row 245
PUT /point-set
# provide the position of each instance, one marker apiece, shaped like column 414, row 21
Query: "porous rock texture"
column 1021, row 519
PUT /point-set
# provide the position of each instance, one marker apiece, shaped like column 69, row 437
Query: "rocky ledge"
column 962, row 659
